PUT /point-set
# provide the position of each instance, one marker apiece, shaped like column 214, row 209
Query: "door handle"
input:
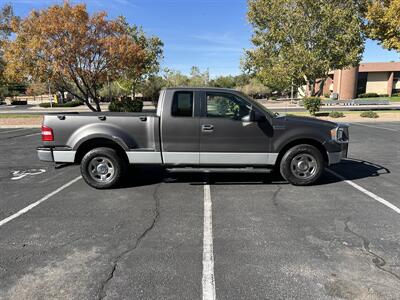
column 102, row 118
column 207, row 128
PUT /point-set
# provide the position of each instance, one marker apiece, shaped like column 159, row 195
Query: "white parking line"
column 378, row 127
column 33, row 134
column 366, row 192
column 29, row 207
column 15, row 130
column 208, row 280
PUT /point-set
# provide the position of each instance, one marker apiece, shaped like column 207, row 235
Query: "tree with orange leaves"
column 74, row 51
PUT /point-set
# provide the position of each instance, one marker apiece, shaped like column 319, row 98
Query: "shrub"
column 312, row 104
column 383, row 95
column 327, row 95
column 396, row 95
column 73, row 103
column 369, row 114
column 336, row 114
column 369, row 95
column 3, row 103
column 19, row 102
column 274, row 98
column 126, row 105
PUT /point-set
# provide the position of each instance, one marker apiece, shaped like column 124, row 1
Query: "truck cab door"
column 180, row 119
column 229, row 136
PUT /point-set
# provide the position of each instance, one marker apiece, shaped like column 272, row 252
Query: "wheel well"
column 91, row 144
column 311, row 142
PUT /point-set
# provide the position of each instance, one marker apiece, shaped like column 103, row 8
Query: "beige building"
column 380, row 78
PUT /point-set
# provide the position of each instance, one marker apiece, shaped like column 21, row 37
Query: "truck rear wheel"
column 302, row 165
column 102, row 168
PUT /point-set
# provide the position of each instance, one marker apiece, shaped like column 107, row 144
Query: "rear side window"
column 182, row 104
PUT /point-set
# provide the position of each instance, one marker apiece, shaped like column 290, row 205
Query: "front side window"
column 182, row 104
column 226, row 106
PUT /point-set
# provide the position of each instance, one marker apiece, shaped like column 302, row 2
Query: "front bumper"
column 336, row 157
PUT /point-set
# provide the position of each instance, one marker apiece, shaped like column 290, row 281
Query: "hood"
column 309, row 121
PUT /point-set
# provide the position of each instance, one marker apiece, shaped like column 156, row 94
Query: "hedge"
column 312, row 104
column 369, row 114
column 73, row 103
column 126, row 105
column 370, row 95
column 19, row 102
column 336, row 114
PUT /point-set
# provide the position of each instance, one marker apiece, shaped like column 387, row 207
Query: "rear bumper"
column 45, row 154
column 61, row 155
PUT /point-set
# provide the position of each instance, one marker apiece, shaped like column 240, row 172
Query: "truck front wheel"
column 302, row 165
column 102, row 168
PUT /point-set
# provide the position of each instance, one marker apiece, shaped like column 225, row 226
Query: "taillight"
column 47, row 134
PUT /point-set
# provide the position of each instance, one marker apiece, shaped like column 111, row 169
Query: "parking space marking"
column 208, row 280
column 33, row 134
column 15, row 130
column 19, row 174
column 29, row 207
column 365, row 191
column 378, row 127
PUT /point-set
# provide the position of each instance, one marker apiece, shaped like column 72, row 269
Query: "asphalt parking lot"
column 269, row 240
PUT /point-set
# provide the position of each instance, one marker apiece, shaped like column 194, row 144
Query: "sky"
column 205, row 33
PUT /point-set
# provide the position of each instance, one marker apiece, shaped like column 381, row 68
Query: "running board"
column 219, row 170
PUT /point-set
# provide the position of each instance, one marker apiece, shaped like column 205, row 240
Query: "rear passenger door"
column 180, row 128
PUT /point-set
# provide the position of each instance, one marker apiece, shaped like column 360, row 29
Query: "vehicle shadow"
column 351, row 169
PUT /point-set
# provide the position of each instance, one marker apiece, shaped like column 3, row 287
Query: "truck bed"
column 133, row 131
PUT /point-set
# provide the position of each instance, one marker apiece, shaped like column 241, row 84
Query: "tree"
column 255, row 89
column 113, row 90
column 224, row 82
column 36, row 89
column 175, row 78
column 299, row 41
column 198, row 78
column 383, row 23
column 76, row 52
column 150, row 88
column 150, row 64
column 6, row 19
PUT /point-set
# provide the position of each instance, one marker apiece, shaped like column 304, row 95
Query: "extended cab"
column 195, row 129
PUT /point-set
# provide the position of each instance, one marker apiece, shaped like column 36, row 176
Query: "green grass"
column 349, row 112
column 19, row 116
column 392, row 99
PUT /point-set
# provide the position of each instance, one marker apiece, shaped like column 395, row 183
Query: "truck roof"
column 200, row 89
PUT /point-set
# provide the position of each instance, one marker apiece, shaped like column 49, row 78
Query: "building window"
column 362, row 83
column 396, row 83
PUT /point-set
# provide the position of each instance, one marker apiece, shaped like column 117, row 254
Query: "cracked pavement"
column 145, row 239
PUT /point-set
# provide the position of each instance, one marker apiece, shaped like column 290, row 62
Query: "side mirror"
column 251, row 117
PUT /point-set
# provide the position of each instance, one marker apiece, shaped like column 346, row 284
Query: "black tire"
column 102, row 168
column 302, row 165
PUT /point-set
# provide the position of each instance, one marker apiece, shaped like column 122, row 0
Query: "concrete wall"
column 345, row 83
column 377, row 82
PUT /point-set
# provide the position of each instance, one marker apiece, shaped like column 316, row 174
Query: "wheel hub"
column 101, row 169
column 304, row 166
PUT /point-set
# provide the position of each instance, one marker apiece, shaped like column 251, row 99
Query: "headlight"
column 339, row 135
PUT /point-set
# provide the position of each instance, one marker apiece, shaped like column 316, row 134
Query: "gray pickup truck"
column 194, row 130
